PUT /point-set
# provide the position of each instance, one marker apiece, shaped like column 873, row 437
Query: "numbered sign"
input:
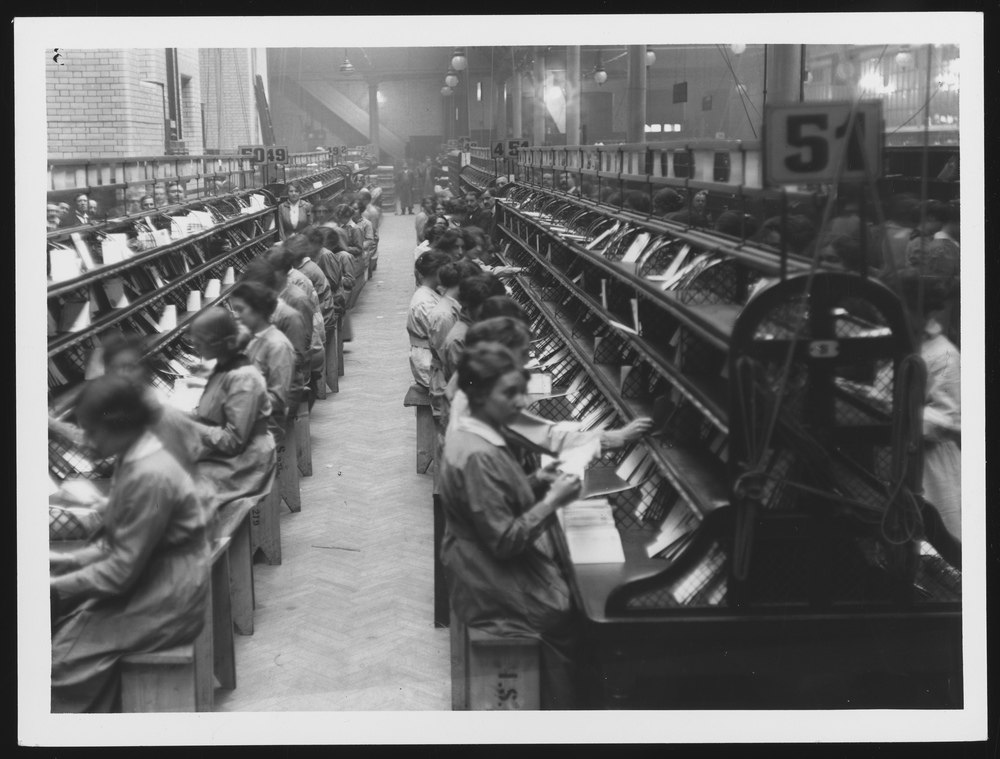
column 513, row 146
column 463, row 143
column 265, row 153
column 499, row 149
column 804, row 142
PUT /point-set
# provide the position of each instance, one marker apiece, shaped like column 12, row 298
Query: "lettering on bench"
column 507, row 696
column 255, row 517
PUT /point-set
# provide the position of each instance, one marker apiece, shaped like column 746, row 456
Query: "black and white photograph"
column 607, row 366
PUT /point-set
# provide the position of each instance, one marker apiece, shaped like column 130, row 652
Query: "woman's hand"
column 565, row 488
column 61, row 562
column 548, row 474
column 636, row 429
column 631, row 431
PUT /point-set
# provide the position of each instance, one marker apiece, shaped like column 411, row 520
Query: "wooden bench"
column 288, row 466
column 265, row 529
column 491, row 673
column 334, row 350
column 234, row 523
column 426, row 430
column 182, row 678
column 303, row 441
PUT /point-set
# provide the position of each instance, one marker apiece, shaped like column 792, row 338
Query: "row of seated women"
column 469, row 345
column 140, row 582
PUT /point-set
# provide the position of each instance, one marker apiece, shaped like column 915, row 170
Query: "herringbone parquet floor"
column 346, row 621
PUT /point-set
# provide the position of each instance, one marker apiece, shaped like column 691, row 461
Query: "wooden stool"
column 182, row 678
column 321, row 383
column 234, row 523
column 490, row 673
column 161, row 681
column 426, row 430
column 288, row 467
column 219, row 627
column 265, row 530
column 303, row 441
column 332, row 367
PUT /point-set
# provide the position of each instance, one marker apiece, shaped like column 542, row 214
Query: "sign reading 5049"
column 265, row 153
column 804, row 143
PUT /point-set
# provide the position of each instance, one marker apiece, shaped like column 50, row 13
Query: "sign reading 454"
column 804, row 142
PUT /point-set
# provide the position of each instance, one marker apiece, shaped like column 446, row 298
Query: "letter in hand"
column 548, row 473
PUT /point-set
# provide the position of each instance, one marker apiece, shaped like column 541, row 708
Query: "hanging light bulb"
column 600, row 75
column 458, row 59
column 446, row 90
column 650, row 57
column 451, row 79
column 904, row 57
column 346, row 67
column 738, row 49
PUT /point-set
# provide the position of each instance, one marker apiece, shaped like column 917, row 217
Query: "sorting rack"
column 701, row 346
column 129, row 296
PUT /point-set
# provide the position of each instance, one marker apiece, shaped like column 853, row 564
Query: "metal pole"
column 538, row 101
column 636, row 127
column 517, row 128
column 500, row 109
column 782, row 82
column 373, row 116
column 573, row 95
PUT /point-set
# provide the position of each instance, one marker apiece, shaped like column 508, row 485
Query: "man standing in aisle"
column 404, row 188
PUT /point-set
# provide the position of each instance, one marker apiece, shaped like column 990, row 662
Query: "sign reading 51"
column 804, row 142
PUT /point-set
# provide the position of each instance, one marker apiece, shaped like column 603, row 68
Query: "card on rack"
column 157, row 279
column 179, row 227
column 632, row 461
column 623, row 327
column 64, row 264
column 114, row 288
column 604, row 294
column 161, row 237
column 676, row 263
column 114, row 248
column 83, row 250
column 635, row 316
column 592, row 245
column 635, row 249
column 540, row 384
column 75, row 316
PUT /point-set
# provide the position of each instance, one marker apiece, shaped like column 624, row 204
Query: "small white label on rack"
column 824, row 348
column 604, row 294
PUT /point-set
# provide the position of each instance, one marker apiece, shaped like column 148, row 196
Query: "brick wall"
column 107, row 102
column 85, row 104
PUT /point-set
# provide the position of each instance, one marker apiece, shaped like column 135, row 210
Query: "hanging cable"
column 739, row 91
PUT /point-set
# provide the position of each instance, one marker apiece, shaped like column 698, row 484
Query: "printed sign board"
column 804, row 143
column 265, row 153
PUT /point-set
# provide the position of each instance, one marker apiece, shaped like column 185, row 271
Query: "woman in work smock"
column 239, row 457
column 502, row 571
column 142, row 583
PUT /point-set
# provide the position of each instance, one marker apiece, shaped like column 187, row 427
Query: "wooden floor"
column 346, row 621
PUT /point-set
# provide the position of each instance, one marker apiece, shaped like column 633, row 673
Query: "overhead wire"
column 739, row 91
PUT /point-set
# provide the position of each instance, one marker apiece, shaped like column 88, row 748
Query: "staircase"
column 352, row 114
